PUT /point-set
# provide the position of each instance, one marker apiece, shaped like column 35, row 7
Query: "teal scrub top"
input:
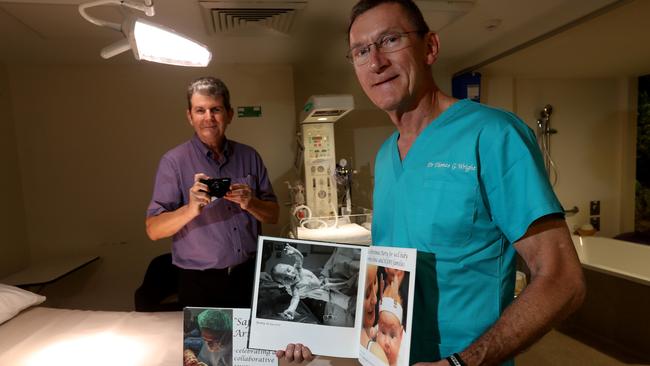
column 469, row 187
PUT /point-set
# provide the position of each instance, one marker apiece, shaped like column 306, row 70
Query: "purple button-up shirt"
column 223, row 235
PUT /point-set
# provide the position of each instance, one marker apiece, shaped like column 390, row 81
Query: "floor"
column 558, row 349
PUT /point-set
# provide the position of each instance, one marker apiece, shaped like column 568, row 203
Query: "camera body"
column 217, row 187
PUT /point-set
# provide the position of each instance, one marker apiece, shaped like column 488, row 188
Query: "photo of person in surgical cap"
column 208, row 341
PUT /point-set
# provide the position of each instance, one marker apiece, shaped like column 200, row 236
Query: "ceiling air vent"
column 243, row 16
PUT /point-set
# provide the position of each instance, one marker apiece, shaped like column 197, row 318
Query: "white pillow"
column 13, row 300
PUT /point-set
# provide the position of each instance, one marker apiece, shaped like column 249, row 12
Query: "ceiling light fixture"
column 148, row 40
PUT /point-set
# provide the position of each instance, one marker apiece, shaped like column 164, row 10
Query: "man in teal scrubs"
column 465, row 185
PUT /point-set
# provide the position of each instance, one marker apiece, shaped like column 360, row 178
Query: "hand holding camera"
column 205, row 190
column 241, row 194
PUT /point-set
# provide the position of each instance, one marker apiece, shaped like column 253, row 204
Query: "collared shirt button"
column 235, row 229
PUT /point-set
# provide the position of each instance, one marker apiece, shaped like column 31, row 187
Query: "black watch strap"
column 455, row 360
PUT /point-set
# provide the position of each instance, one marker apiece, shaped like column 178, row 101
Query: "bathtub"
column 617, row 258
column 615, row 315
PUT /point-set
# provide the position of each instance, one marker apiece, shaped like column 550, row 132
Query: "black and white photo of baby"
column 317, row 285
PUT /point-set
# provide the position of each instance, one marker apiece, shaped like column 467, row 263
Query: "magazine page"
column 385, row 337
column 218, row 337
column 242, row 355
column 308, row 292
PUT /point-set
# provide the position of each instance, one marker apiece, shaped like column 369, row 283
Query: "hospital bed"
column 63, row 337
column 36, row 335
column 48, row 336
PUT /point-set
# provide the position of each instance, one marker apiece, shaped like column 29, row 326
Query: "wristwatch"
column 455, row 360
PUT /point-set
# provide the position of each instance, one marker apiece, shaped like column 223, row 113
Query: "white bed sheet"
column 47, row 336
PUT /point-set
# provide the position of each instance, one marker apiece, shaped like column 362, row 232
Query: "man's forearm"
column 540, row 306
column 555, row 291
column 169, row 223
column 265, row 211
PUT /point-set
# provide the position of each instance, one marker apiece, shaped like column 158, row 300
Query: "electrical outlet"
column 595, row 222
column 594, row 208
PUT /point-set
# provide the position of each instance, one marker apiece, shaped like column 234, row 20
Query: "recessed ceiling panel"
column 240, row 16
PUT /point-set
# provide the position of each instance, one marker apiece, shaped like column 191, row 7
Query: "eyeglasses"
column 388, row 43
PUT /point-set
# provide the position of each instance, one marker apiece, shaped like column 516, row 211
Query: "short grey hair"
column 412, row 12
column 209, row 86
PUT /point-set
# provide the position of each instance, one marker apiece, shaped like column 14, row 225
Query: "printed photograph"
column 207, row 337
column 308, row 283
column 384, row 314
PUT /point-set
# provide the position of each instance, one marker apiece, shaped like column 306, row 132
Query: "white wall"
column 627, row 110
column 89, row 140
column 14, row 250
column 592, row 118
column 499, row 91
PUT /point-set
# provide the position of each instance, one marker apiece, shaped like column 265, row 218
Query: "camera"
column 217, row 187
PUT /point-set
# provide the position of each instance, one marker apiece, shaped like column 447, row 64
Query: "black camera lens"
column 217, row 187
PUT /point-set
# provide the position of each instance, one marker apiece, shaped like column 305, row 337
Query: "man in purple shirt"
column 215, row 240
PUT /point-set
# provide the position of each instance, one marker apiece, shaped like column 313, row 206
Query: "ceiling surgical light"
column 148, row 40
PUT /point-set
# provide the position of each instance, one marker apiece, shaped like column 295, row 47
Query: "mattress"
column 47, row 336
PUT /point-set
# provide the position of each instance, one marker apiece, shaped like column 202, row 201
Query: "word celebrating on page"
column 254, row 356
